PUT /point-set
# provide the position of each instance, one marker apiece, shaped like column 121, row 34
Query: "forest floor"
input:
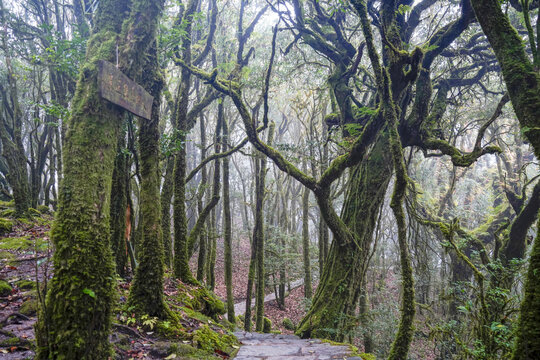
column 26, row 264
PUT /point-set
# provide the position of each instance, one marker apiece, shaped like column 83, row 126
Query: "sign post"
column 116, row 87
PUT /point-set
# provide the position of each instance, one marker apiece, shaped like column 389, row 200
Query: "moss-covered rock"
column 182, row 351
column 29, row 307
column 6, row 226
column 202, row 300
column 267, row 325
column 288, row 324
column 209, row 340
column 5, row 288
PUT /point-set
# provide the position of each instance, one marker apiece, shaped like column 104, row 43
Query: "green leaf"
column 89, row 292
column 403, row 9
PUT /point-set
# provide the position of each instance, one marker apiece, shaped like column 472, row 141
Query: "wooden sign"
column 116, row 87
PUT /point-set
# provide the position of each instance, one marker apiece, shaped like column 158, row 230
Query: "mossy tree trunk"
column 181, row 259
column 76, row 319
column 343, row 271
column 181, row 266
column 227, row 226
column 146, row 293
column 165, row 200
column 258, row 242
column 203, row 238
column 258, row 235
column 119, row 204
column 305, row 244
column 212, row 244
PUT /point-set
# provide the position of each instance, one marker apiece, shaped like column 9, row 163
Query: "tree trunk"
column 227, row 228
column 305, row 244
column 119, row 205
column 146, row 293
column 203, row 238
column 342, row 275
column 165, row 200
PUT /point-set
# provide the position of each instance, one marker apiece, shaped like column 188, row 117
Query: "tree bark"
column 146, row 293
column 305, row 244
column 342, row 274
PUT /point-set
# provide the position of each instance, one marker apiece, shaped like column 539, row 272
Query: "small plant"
column 148, row 321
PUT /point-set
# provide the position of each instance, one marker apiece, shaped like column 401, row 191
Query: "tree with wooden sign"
column 76, row 317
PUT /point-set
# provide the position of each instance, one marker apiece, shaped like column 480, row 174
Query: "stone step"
column 257, row 346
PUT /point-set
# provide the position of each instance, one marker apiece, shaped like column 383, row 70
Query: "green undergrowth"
column 196, row 328
column 6, row 256
column 6, row 226
column 24, row 243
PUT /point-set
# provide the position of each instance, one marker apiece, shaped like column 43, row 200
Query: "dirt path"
column 240, row 308
column 287, row 347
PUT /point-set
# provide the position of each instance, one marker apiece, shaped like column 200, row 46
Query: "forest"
column 270, row 179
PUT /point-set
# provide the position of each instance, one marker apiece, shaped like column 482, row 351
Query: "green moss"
column 185, row 351
column 170, row 329
column 353, row 349
column 288, row 324
column 6, row 226
column 26, row 284
column 24, row 221
column 5, row 288
column 332, row 119
column 12, row 341
column 7, row 204
column 34, row 212
column 29, row 307
column 365, row 356
column 209, row 340
column 202, row 300
column 43, row 209
column 8, row 213
column 267, row 325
